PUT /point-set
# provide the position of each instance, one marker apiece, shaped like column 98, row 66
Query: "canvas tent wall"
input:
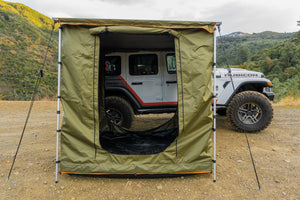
column 82, row 97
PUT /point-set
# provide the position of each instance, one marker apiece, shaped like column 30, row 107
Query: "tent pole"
column 214, row 101
column 58, row 104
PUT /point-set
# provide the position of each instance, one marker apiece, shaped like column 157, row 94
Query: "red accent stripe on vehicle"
column 140, row 100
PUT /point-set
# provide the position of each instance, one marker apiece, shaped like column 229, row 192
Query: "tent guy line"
column 35, row 90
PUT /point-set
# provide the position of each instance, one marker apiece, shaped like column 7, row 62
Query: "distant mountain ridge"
column 261, row 35
column 236, row 34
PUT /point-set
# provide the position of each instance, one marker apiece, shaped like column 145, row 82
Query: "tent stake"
column 58, row 104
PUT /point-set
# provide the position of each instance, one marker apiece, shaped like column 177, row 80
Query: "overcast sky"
column 250, row 16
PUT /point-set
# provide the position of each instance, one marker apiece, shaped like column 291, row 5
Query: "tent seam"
column 94, row 97
column 181, row 85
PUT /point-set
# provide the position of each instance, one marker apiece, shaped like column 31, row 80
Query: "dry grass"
column 289, row 101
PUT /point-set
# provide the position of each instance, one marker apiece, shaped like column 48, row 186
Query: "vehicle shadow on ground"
column 150, row 121
column 222, row 123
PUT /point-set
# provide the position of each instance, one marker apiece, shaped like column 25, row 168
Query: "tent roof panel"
column 208, row 26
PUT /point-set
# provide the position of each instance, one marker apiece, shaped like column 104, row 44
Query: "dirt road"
column 275, row 151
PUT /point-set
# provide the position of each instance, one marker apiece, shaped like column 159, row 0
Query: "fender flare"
column 263, row 83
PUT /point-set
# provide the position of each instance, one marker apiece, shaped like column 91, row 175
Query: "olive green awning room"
column 90, row 143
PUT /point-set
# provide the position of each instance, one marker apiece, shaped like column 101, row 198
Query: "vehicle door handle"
column 137, row 83
column 171, row 82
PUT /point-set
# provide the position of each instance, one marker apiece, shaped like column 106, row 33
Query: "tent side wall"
column 194, row 50
column 81, row 151
column 79, row 93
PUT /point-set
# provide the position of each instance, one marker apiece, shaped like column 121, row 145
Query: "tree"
column 243, row 54
column 287, row 55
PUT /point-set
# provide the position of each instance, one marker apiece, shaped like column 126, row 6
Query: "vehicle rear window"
column 112, row 65
column 171, row 63
column 143, row 64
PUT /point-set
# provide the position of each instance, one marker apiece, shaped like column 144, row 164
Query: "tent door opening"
column 134, row 74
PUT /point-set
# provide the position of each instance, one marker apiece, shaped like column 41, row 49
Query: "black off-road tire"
column 250, row 112
column 119, row 111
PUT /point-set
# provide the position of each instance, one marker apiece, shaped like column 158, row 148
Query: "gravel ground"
column 275, row 151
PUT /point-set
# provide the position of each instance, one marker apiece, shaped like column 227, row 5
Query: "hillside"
column 24, row 35
column 281, row 64
column 32, row 16
column 235, row 46
column 277, row 55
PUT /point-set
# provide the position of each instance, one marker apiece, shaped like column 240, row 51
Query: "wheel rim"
column 115, row 116
column 250, row 113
